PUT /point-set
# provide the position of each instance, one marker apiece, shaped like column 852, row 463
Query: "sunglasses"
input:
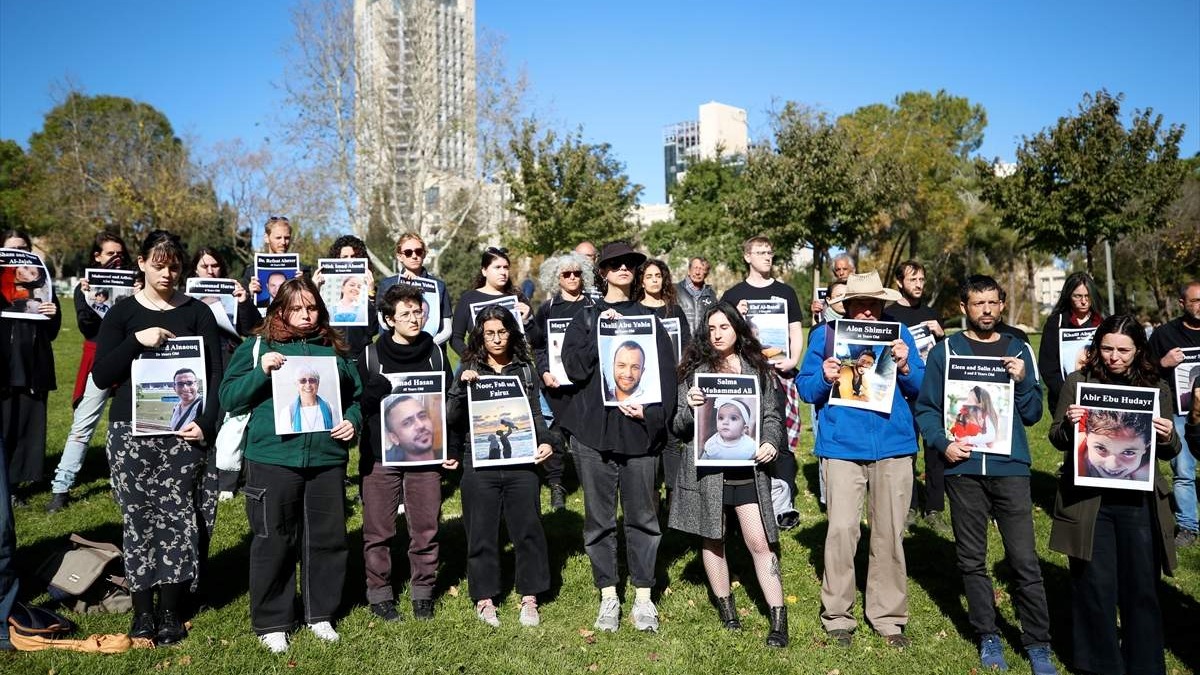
column 571, row 273
column 278, row 219
column 412, row 252
column 492, row 250
column 309, row 380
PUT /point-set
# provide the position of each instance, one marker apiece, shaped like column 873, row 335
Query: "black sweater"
column 420, row 357
column 463, row 321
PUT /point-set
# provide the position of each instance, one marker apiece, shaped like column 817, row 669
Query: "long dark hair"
column 489, row 256
column 207, row 251
column 276, row 328
column 668, row 288
column 165, row 246
column 701, row 355
column 1141, row 373
column 476, row 353
column 1063, row 306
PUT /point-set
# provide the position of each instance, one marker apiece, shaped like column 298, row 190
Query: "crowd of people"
column 626, row 412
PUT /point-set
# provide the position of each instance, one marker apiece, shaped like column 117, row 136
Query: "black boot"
column 143, row 625
column 170, row 628
column 778, row 635
column 728, row 613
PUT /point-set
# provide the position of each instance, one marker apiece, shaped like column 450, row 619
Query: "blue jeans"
column 8, row 551
column 1184, row 466
column 83, row 426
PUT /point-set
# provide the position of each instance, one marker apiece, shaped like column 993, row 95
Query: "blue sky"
column 624, row 70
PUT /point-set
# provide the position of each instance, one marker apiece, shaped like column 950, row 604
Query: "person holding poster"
column 864, row 450
column 295, row 483
column 655, row 290
column 1076, row 309
column 491, row 283
column 496, row 346
column 724, row 344
column 1176, row 344
column 405, row 349
column 410, row 256
column 356, row 294
column 163, row 485
column 984, row 485
column 1117, row 541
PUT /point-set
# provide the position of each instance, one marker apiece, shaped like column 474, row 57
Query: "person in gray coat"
column 694, row 294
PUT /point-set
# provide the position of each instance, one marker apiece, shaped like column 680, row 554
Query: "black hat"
column 619, row 249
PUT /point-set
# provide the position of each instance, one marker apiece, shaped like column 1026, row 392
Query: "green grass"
column 690, row 640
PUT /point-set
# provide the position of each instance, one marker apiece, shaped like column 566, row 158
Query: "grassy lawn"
column 690, row 639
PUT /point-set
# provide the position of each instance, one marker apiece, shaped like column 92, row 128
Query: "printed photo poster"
column 674, row 331
column 1186, row 378
column 1073, row 347
column 306, row 395
column 431, row 303
column 271, row 270
column 978, row 404
column 508, row 302
column 727, row 425
column 25, row 284
column 218, row 295
column 412, row 419
column 169, row 385
column 924, row 339
column 628, row 349
column 1114, row 441
column 867, row 378
column 106, row 287
column 556, row 332
column 501, row 422
column 768, row 321
column 345, row 290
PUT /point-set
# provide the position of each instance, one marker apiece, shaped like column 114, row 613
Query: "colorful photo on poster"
column 306, row 393
column 169, row 386
column 344, row 290
column 271, row 270
column 1114, row 441
column 106, row 287
column 727, row 428
column 25, row 284
column 412, row 419
column 1186, row 378
column 501, row 423
column 867, row 376
column 768, row 321
column 628, row 352
column 978, row 404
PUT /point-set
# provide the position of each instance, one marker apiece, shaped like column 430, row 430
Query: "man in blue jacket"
column 861, row 449
column 983, row 486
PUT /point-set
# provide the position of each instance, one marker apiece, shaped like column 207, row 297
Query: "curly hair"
column 554, row 265
column 476, row 354
column 360, row 247
column 700, row 353
column 1142, row 372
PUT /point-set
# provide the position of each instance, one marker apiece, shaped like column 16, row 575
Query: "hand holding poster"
column 169, row 384
column 412, row 419
column 923, row 338
column 271, row 270
column 344, row 290
column 25, row 285
column 508, row 302
column 674, row 332
column 1187, row 375
column 727, row 425
column 1073, row 347
column 977, row 406
column 867, row 378
column 556, row 332
column 501, row 423
column 218, row 295
column 768, row 321
column 1114, row 440
column 306, row 395
column 628, row 356
column 106, row 287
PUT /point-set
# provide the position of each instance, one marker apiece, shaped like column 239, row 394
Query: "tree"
column 704, row 223
column 14, row 185
column 567, row 191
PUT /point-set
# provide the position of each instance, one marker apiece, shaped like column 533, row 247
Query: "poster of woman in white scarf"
column 305, row 395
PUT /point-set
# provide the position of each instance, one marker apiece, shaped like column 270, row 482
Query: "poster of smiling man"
column 867, row 378
column 412, row 419
column 727, row 425
column 25, row 284
column 628, row 349
column 168, row 387
column 501, row 422
column 345, row 290
column 1114, row 440
column 107, row 286
column 271, row 270
column 305, row 395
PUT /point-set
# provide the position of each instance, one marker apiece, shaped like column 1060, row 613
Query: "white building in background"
column 720, row 129
column 1048, row 282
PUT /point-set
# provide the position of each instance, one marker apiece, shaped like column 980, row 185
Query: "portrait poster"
column 924, row 339
column 768, row 321
column 1073, row 347
column 271, row 270
column 169, row 385
column 501, row 422
column 25, row 284
column 412, row 419
column 867, row 378
column 508, row 302
column 218, row 295
column 556, row 332
column 978, row 403
column 727, row 428
column 628, row 352
column 106, row 287
column 1114, row 441
column 306, row 393
column 344, row 290
column 431, row 303
column 1186, row 378
column 675, row 333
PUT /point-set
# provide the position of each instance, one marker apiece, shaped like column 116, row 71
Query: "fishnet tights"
column 766, row 565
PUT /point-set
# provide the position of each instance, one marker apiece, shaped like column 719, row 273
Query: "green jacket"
column 247, row 387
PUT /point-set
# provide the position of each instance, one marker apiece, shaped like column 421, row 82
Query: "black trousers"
column 511, row 492
column 935, row 480
column 296, row 515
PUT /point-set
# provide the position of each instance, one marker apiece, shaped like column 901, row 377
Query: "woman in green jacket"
column 295, row 492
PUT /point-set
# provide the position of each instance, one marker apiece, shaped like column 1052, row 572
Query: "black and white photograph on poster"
column 674, row 332
column 218, row 295
column 169, row 384
column 271, row 270
column 556, row 331
column 978, row 404
column 306, row 395
column 924, row 339
column 768, row 321
column 501, row 423
column 867, row 378
column 344, row 290
column 106, row 287
column 508, row 302
column 413, row 419
column 1186, row 378
column 727, row 425
column 25, row 284
column 1114, row 440
column 628, row 355
column 1073, row 347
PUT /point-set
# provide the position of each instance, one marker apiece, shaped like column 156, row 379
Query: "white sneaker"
column 644, row 616
column 224, row 496
column 608, row 619
column 400, row 509
column 276, row 642
column 529, row 616
column 324, row 630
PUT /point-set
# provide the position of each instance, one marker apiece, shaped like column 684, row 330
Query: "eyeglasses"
column 413, row 252
column 413, row 315
column 309, row 380
column 763, row 253
column 501, row 334
column 567, row 274
column 185, row 383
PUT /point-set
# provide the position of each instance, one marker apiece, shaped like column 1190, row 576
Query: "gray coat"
column 696, row 501
column 692, row 308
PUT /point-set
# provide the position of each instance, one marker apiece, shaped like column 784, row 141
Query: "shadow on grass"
column 1042, row 488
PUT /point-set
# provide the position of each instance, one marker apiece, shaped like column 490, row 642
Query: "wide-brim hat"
column 619, row 249
column 868, row 285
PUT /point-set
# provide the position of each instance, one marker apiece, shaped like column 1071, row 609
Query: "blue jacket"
column 850, row 433
column 1028, row 409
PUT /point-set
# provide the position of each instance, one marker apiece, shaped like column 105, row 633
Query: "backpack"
column 77, row 578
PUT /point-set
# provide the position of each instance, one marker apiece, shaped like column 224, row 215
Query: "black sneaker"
column 422, row 610
column 1185, row 538
column 385, row 610
column 58, row 502
column 558, row 497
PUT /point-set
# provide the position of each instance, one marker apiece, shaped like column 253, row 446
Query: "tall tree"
column 14, row 185
column 704, row 223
